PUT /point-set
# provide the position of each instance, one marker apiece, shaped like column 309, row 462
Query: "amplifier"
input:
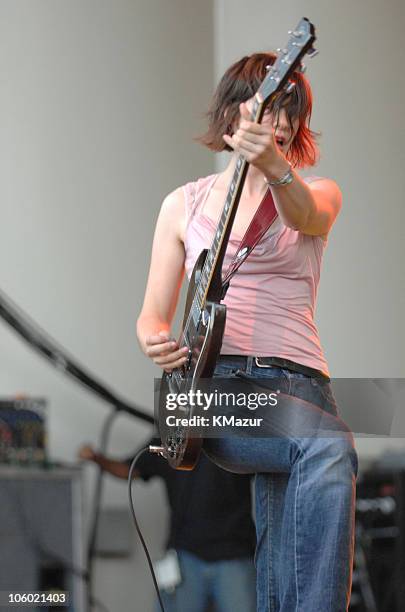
column 23, row 430
column 41, row 534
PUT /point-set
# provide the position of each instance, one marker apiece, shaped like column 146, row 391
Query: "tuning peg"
column 290, row 87
column 295, row 33
column 302, row 68
column 312, row 52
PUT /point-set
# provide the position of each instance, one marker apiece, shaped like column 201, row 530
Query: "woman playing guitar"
column 304, row 485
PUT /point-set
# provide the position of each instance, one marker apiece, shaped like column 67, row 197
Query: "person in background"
column 211, row 537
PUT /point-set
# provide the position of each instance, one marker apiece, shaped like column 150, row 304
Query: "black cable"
column 131, row 505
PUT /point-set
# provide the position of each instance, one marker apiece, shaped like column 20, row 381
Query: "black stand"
column 363, row 576
column 94, row 521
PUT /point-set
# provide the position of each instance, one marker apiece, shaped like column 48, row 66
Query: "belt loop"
column 249, row 364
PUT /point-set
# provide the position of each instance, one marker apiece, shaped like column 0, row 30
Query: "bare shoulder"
column 172, row 213
column 326, row 204
column 328, row 188
column 173, row 204
column 174, row 201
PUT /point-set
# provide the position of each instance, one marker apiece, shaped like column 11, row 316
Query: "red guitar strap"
column 263, row 219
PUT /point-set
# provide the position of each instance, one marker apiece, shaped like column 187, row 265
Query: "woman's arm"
column 164, row 281
column 309, row 208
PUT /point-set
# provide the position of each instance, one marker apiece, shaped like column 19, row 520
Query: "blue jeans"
column 229, row 584
column 305, row 493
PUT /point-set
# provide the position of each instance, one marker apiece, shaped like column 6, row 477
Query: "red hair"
column 240, row 83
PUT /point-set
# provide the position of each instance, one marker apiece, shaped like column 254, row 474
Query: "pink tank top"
column 271, row 299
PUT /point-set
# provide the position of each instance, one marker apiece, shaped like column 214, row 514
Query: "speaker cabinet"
column 42, row 545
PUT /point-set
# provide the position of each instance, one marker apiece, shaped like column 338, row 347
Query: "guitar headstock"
column 300, row 43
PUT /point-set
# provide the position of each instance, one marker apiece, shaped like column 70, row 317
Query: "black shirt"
column 210, row 508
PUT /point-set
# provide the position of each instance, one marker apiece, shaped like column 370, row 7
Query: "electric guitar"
column 204, row 317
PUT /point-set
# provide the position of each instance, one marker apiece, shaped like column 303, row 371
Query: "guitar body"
column 182, row 450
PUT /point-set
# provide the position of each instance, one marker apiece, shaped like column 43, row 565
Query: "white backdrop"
column 100, row 101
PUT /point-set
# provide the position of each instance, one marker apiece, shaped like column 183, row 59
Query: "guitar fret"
column 195, row 315
column 200, row 293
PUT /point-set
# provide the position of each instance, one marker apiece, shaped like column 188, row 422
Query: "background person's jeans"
column 229, row 584
column 305, row 492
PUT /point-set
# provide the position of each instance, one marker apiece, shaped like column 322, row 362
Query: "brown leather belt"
column 280, row 362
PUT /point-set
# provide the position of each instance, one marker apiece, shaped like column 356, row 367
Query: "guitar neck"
column 210, row 285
